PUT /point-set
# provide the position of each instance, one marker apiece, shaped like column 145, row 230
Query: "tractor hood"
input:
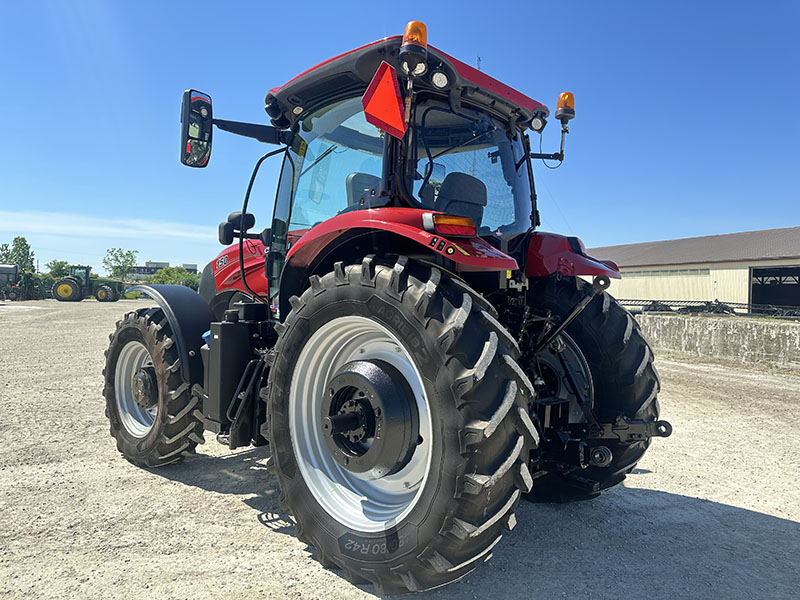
column 349, row 74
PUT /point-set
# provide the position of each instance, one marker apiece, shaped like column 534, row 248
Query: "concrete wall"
column 742, row 340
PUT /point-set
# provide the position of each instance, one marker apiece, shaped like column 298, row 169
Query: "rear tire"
column 67, row 290
column 623, row 377
column 438, row 517
column 164, row 429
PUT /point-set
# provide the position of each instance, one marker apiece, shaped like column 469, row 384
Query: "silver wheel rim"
column 355, row 502
column 137, row 421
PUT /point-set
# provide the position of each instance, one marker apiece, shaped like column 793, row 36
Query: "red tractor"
column 416, row 353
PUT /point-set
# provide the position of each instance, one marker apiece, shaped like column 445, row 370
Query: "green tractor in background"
column 80, row 284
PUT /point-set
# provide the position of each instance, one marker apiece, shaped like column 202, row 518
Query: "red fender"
column 469, row 254
column 550, row 252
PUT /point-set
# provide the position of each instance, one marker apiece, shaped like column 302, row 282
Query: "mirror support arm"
column 262, row 133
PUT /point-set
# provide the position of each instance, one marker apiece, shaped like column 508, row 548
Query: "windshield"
column 466, row 165
column 461, row 164
column 334, row 160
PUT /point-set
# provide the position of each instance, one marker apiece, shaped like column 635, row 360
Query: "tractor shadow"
column 239, row 473
column 630, row 542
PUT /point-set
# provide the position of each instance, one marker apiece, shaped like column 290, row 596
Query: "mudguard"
column 468, row 254
column 189, row 318
column 549, row 253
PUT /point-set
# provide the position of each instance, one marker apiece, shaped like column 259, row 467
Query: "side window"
column 335, row 155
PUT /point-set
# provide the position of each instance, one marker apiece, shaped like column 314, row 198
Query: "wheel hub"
column 144, row 387
column 370, row 420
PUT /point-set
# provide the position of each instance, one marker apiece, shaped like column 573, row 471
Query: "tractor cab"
column 81, row 273
column 397, row 127
column 455, row 144
column 465, row 164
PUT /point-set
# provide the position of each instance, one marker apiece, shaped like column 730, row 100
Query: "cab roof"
column 350, row 73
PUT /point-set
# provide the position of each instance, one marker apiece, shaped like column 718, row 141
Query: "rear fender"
column 468, row 254
column 351, row 236
column 550, row 253
column 189, row 318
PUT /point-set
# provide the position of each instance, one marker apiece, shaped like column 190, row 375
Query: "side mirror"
column 225, row 234
column 229, row 230
column 196, row 128
column 235, row 219
column 438, row 173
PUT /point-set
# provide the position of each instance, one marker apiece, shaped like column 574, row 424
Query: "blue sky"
column 687, row 112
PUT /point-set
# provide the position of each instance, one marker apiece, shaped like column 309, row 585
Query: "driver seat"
column 462, row 195
column 358, row 186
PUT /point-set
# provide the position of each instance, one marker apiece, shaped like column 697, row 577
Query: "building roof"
column 765, row 244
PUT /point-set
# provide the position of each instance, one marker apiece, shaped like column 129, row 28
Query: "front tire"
column 150, row 409
column 615, row 364
column 104, row 294
column 432, row 521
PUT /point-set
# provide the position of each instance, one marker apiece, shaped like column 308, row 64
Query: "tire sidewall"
column 129, row 332
column 75, row 290
column 610, row 390
column 425, row 518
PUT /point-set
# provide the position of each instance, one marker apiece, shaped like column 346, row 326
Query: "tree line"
column 119, row 263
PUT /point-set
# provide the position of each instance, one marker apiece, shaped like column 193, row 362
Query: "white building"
column 753, row 267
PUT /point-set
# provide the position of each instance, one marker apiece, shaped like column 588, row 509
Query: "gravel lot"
column 711, row 512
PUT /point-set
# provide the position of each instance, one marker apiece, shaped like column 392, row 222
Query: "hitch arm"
column 629, row 431
column 599, row 284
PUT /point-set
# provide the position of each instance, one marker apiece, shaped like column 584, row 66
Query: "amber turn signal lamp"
column 565, row 109
column 452, row 225
column 414, row 49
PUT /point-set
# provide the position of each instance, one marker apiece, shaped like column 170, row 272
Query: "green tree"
column 5, row 253
column 176, row 275
column 21, row 254
column 57, row 268
column 120, row 263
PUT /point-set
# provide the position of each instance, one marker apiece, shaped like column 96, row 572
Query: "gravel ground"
column 710, row 512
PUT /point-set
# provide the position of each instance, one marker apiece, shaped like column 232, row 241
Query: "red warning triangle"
column 383, row 105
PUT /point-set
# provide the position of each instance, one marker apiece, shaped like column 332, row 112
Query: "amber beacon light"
column 565, row 109
column 414, row 49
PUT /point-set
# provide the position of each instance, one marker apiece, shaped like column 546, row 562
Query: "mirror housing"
column 235, row 219
column 229, row 230
column 196, row 128
column 225, row 234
